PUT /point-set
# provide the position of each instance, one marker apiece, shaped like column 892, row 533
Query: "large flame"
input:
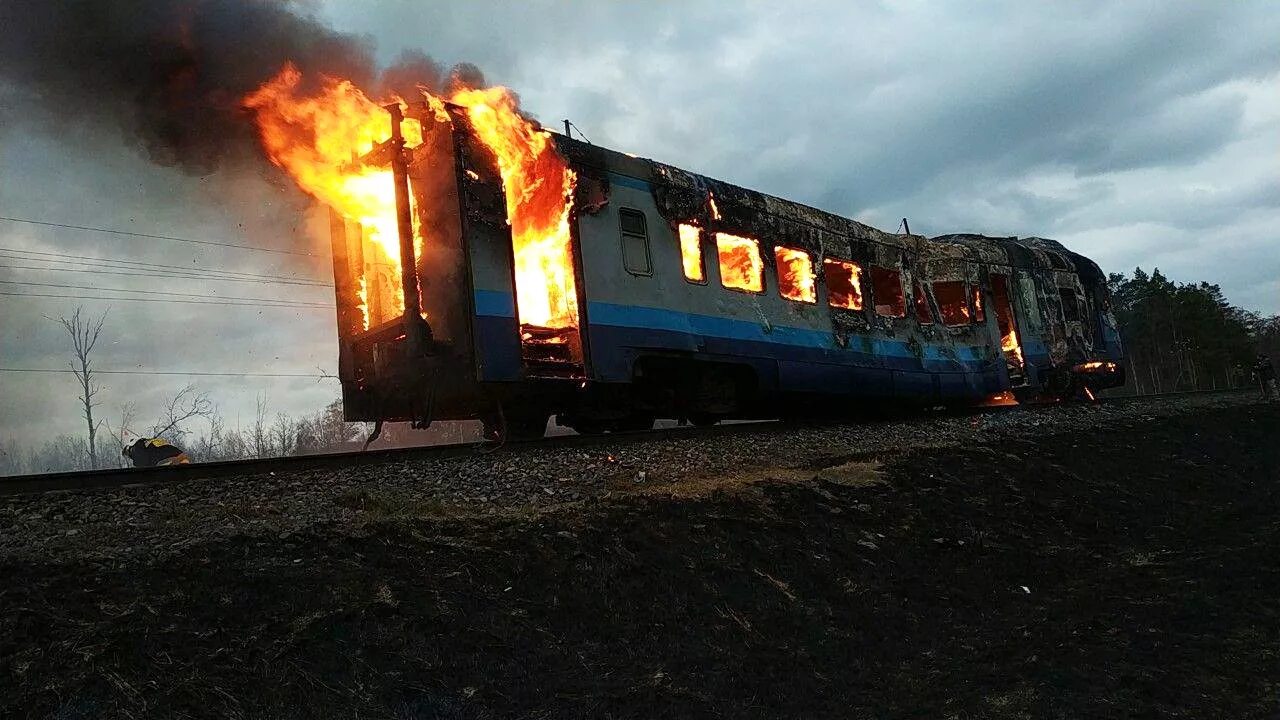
column 316, row 139
column 539, row 188
column 316, row 135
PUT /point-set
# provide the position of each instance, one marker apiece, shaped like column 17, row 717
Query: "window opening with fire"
column 886, row 288
column 740, row 265
column 844, row 283
column 1006, row 323
column 952, row 302
column 635, row 242
column 795, row 275
column 691, row 253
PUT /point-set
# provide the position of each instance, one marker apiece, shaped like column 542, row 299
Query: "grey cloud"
column 1112, row 126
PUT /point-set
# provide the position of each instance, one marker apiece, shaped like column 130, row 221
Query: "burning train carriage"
column 682, row 296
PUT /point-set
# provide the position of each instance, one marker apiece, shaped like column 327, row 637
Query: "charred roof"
column 687, row 192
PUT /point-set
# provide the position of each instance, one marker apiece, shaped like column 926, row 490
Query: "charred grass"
column 1129, row 571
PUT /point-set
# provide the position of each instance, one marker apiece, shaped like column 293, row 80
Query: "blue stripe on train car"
column 497, row 337
column 495, row 302
column 807, row 360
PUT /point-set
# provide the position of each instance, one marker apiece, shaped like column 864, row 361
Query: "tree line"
column 191, row 420
column 1186, row 336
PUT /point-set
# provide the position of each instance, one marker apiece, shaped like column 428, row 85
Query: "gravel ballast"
column 1112, row 561
column 147, row 523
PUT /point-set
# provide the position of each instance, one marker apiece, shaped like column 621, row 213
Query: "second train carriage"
column 700, row 300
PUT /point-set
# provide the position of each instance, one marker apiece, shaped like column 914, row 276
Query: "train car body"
column 701, row 300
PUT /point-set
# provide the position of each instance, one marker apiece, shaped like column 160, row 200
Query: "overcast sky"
column 1136, row 133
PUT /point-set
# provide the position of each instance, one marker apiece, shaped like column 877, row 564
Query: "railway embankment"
column 1112, row 560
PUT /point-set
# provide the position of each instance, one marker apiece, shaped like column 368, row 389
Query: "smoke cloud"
column 170, row 74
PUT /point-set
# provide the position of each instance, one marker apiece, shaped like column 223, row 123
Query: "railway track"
column 127, row 477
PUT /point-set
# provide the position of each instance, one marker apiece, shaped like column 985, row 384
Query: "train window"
column 979, row 313
column 1030, row 302
column 795, row 275
column 924, row 315
column 1070, row 306
column 740, row 265
column 635, row 242
column 952, row 302
column 691, row 253
column 886, row 288
column 844, row 283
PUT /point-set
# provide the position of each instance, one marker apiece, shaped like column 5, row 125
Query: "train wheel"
column 516, row 425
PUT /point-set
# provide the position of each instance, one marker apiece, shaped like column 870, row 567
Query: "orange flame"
column 1009, row 344
column 740, row 263
column 316, row 136
column 999, row 399
column 539, row 187
column 316, row 139
column 795, row 274
column 691, row 252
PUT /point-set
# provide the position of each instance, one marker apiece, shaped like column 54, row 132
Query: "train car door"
column 1007, row 322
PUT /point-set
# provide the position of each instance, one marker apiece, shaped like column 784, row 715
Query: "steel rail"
column 112, row 478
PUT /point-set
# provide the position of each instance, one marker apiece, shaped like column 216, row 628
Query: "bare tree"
column 187, row 404
column 209, row 446
column 128, row 415
column 84, row 333
column 284, row 434
column 261, row 433
column 11, row 461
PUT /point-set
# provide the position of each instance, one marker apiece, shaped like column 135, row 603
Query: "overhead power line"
column 153, row 236
column 161, row 292
column 170, row 267
column 266, row 304
column 315, row 376
column 175, row 274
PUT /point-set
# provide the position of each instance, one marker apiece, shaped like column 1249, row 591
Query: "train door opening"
column 1010, row 343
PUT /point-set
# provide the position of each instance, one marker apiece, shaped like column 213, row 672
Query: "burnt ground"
column 1128, row 570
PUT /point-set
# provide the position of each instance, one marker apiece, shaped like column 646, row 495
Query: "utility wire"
column 177, row 274
column 275, row 304
column 318, row 376
column 161, row 292
column 151, row 236
column 89, row 260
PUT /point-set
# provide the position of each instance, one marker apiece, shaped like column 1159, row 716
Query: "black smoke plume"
column 170, row 74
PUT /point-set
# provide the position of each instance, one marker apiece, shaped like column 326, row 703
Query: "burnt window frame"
column 902, row 291
column 977, row 304
column 702, row 254
column 860, row 274
column 920, row 300
column 812, row 272
column 1074, row 315
column 964, row 293
column 643, row 235
column 764, row 281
